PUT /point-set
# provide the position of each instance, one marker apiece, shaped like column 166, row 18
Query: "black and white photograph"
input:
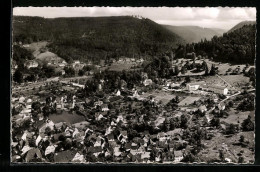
column 141, row 85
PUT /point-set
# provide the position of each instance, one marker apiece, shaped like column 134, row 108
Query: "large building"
column 218, row 89
column 195, row 85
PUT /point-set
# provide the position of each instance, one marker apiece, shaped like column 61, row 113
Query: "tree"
column 247, row 124
column 184, row 121
column 81, row 72
column 213, row 70
column 221, row 155
column 231, row 129
column 177, row 71
column 18, row 76
column 187, row 79
column 215, row 122
column 242, row 139
column 240, row 159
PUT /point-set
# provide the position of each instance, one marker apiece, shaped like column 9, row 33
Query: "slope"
column 95, row 38
column 241, row 24
column 194, row 33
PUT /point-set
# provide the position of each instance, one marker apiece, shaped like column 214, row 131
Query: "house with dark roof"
column 178, row 156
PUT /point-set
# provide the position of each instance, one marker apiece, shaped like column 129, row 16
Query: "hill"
column 241, row 24
column 95, row 38
column 194, row 33
column 236, row 47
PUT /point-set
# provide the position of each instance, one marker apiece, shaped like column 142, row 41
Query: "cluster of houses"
column 47, row 141
column 124, row 60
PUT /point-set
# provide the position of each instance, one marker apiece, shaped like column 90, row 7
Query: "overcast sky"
column 224, row 18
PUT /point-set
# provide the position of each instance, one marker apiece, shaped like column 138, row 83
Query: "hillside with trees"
column 236, row 47
column 95, row 38
column 194, row 33
column 241, row 24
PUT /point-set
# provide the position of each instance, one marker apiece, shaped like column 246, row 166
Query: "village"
column 175, row 120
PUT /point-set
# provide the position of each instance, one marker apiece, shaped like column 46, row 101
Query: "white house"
column 104, row 107
column 147, row 82
column 203, row 108
column 118, row 93
column 135, row 94
column 195, row 85
column 31, row 63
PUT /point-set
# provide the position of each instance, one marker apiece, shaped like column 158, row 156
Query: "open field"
column 120, row 67
column 234, row 117
column 237, row 81
column 188, row 100
column 230, row 147
column 159, row 96
column 67, row 117
column 46, row 56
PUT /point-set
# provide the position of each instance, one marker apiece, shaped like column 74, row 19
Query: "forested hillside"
column 237, row 46
column 194, row 33
column 241, row 24
column 95, row 38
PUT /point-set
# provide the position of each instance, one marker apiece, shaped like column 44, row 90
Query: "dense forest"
column 237, row 47
column 95, row 38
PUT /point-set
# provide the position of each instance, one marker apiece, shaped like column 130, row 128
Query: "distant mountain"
column 236, row 47
column 241, row 24
column 95, row 38
column 194, row 33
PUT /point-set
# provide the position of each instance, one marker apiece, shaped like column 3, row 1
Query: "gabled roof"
column 178, row 153
column 64, row 156
column 32, row 153
column 197, row 83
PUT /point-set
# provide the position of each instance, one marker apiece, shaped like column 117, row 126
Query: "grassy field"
column 46, row 56
column 237, row 81
column 160, row 96
column 67, row 117
column 230, row 147
column 120, row 67
column 235, row 117
column 188, row 100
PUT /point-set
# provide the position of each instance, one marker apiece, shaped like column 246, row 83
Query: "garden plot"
column 188, row 100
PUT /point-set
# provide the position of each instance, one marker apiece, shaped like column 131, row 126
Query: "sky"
column 224, row 18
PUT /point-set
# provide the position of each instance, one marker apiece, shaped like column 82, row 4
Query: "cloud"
column 206, row 17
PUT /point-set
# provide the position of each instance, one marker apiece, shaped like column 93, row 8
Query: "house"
column 202, row 108
column 78, row 158
column 218, row 89
column 62, row 72
column 64, row 156
column 98, row 116
column 98, row 103
column 147, row 82
column 63, row 63
column 76, row 62
column 144, row 75
column 195, row 85
column 178, row 156
column 104, row 107
column 31, row 63
column 190, row 55
column 221, row 106
column 34, row 153
column 118, row 93
column 173, row 85
column 135, row 94
column 110, row 137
